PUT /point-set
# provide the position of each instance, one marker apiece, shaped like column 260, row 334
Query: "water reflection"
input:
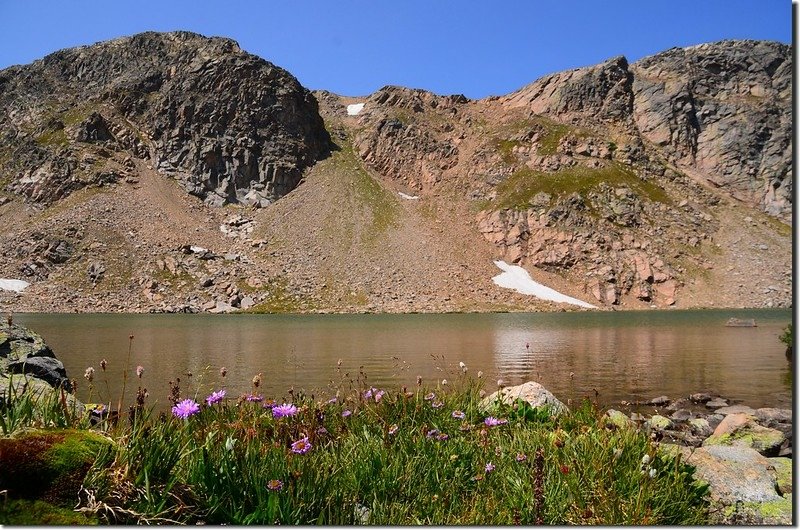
column 631, row 356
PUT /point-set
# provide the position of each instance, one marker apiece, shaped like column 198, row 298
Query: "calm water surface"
column 621, row 355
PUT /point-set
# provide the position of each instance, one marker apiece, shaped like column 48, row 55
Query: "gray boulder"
column 24, row 352
column 531, row 392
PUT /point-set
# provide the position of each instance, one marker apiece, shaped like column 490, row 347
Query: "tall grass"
column 401, row 459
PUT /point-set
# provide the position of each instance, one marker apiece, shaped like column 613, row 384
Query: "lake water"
column 622, row 355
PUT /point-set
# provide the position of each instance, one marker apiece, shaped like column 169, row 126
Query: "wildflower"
column 103, row 365
column 368, row 394
column 645, row 460
column 444, row 382
column 564, row 470
column 270, row 403
column 332, row 400
column 346, row 413
column 442, row 436
column 379, row 395
column 652, row 472
column 457, row 414
column 521, row 457
column 301, row 446
column 89, row 374
column 489, row 467
column 322, row 430
column 500, row 383
column 139, row 371
column 185, row 408
column 491, row 421
column 430, row 396
column 254, row 398
column 281, row 411
column 257, row 380
column 437, row 404
column 463, row 367
column 393, row 429
column 223, row 371
column 215, row 397
column 432, row 433
column 274, row 485
column 480, row 374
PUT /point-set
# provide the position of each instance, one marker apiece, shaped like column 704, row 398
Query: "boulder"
column 658, row 423
column 735, row 409
column 742, row 484
column 24, row 352
column 741, row 430
column 531, row 392
column 617, row 419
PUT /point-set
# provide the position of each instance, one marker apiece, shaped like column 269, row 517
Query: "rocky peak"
column 230, row 126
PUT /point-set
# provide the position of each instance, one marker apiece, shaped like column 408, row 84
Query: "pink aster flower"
column 491, row 421
column 281, row 411
column 346, row 413
column 442, row 436
column 254, row 398
column 215, row 397
column 437, row 404
column 521, row 457
column 274, row 485
column 368, row 393
column 432, row 433
column 489, row 467
column 457, row 414
column 393, row 429
column 379, row 395
column 430, row 396
column 185, row 408
column 301, row 446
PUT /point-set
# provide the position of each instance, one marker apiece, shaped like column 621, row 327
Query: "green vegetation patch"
column 20, row 512
column 281, row 300
column 520, row 187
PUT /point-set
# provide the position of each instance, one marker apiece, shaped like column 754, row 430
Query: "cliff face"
column 230, row 126
column 666, row 182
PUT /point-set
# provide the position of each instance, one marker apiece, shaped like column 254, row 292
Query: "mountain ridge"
column 600, row 180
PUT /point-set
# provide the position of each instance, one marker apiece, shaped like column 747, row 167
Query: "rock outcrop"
column 24, row 352
column 230, row 126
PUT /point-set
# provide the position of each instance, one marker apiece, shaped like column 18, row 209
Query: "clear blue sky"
column 354, row 47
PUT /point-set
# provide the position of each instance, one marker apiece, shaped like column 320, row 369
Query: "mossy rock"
column 659, row 423
column 763, row 439
column 21, row 512
column 773, row 512
column 48, row 465
column 617, row 419
column 783, row 470
column 13, row 386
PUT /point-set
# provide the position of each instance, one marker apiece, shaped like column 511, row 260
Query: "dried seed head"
column 419, row 380
column 103, row 365
column 257, row 380
column 89, row 374
column 139, row 371
column 223, row 371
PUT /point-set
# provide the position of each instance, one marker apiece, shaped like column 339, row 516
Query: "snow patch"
column 354, row 109
column 13, row 285
column 408, row 197
column 517, row 278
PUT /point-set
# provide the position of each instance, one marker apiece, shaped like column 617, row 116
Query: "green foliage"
column 787, row 337
column 518, row 189
column 403, row 458
column 20, row 512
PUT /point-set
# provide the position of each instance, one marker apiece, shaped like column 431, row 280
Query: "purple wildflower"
column 430, row 396
column 491, row 421
column 432, row 433
column 254, row 398
column 489, row 467
column 274, row 485
column 368, row 393
column 457, row 414
column 379, row 395
column 301, row 446
column 269, row 403
column 437, row 404
column 332, row 400
column 442, row 437
column 281, row 411
column 393, row 429
column 346, row 413
column 185, row 408
column 215, row 397
column 521, row 457
column 322, row 430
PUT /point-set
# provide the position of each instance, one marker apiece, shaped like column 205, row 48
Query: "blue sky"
column 354, row 47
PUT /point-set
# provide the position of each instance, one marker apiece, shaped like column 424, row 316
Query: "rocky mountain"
column 665, row 182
